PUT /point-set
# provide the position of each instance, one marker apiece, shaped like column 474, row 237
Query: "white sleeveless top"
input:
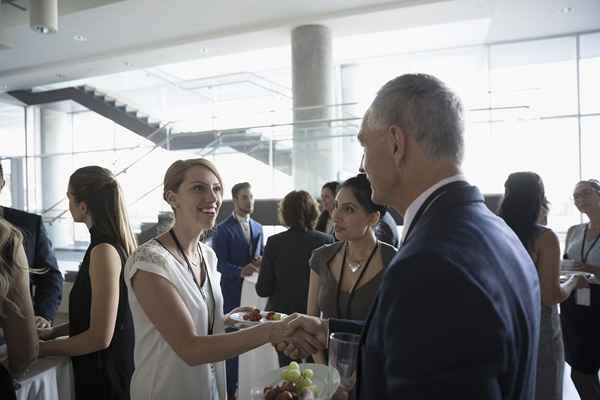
column 573, row 247
column 159, row 372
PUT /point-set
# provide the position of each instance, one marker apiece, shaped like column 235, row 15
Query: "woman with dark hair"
column 524, row 200
column 345, row 275
column 284, row 273
column 580, row 314
column 328, row 193
column 16, row 310
column 100, row 329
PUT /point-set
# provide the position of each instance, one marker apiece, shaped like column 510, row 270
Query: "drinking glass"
column 343, row 356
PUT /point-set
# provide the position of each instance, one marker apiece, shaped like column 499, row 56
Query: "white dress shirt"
column 245, row 224
column 417, row 203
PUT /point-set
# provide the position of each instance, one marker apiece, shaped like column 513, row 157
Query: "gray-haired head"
column 423, row 107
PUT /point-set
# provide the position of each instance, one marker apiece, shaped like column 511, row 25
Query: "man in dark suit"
column 457, row 315
column 47, row 283
column 238, row 243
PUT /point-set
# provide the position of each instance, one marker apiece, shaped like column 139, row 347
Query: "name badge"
column 583, row 297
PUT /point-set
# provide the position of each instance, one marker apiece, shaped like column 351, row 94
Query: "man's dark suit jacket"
column 233, row 253
column 38, row 248
column 285, row 273
column 458, row 312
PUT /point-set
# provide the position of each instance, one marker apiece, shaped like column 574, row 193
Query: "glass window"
column 589, row 70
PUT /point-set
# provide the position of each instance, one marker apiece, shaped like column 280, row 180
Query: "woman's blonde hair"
column 97, row 187
column 10, row 241
column 176, row 173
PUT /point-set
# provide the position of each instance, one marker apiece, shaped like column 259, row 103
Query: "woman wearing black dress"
column 100, row 329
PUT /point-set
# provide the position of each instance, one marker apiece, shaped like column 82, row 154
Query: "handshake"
column 299, row 335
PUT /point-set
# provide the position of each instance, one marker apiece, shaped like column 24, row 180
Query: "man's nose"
column 361, row 167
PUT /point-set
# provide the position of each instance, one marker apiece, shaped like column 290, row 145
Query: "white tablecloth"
column 257, row 362
column 50, row 378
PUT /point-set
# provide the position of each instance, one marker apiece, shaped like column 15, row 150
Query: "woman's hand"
column 229, row 322
column 45, row 333
column 581, row 282
column 591, row 269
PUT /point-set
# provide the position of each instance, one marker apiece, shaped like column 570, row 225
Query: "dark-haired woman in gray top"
column 345, row 276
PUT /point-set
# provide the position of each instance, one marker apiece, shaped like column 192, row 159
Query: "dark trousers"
column 232, row 369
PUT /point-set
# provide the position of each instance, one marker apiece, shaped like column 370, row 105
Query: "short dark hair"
column 298, row 209
column 238, row 187
column 333, row 186
column 593, row 183
column 361, row 189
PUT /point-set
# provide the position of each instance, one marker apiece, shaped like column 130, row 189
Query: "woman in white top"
column 176, row 301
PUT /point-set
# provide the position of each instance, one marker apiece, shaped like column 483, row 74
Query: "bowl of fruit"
column 299, row 382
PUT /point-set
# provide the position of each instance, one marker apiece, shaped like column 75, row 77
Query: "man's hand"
column 42, row 323
column 302, row 336
column 248, row 270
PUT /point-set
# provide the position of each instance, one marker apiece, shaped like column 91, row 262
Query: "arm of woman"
column 265, row 284
column 19, row 325
column 549, row 266
column 166, row 310
column 313, row 308
column 105, row 269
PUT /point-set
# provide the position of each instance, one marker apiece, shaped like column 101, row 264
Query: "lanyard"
column 351, row 294
column 205, row 270
column 584, row 255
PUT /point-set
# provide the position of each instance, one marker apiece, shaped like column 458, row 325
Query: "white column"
column 56, row 138
column 315, row 156
column 17, row 183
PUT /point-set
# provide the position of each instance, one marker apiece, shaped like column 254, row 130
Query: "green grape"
column 294, row 365
column 304, row 383
column 308, row 373
column 291, row 375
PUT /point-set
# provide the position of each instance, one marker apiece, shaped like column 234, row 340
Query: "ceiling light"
column 80, row 38
column 43, row 16
column 3, row 86
column 567, row 10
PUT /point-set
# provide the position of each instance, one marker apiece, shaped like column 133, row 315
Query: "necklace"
column 354, row 266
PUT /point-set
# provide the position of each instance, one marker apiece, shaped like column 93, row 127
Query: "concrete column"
column 56, row 138
column 17, row 183
column 315, row 154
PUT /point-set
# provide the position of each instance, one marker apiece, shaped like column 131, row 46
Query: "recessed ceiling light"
column 3, row 86
column 567, row 10
column 126, row 63
column 203, row 50
column 80, row 38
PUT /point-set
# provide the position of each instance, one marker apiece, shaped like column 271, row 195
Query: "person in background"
column 345, row 276
column 386, row 229
column 238, row 243
column 16, row 311
column 328, row 193
column 284, row 273
column 524, row 200
column 580, row 313
column 176, row 299
column 47, row 286
column 100, row 329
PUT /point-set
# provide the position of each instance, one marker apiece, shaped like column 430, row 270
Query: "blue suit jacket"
column 233, row 253
column 39, row 252
column 458, row 311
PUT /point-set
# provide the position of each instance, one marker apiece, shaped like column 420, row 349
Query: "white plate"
column 238, row 317
column 326, row 380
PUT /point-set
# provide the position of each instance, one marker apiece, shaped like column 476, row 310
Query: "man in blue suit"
column 238, row 243
column 46, row 286
column 458, row 311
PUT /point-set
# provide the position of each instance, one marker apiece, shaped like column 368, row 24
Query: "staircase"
column 242, row 140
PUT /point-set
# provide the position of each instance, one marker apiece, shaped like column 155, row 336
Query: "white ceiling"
column 135, row 34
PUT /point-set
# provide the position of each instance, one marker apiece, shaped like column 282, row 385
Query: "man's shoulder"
column 20, row 217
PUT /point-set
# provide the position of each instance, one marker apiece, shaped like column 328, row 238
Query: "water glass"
column 343, row 356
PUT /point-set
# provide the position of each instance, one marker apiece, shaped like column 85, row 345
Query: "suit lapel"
column 238, row 233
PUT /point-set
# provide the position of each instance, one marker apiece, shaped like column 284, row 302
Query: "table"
column 259, row 361
column 49, row 378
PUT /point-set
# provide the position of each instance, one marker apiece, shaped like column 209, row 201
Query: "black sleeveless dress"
column 105, row 374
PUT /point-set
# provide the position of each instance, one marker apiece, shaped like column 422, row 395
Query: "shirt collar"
column 242, row 219
column 416, row 204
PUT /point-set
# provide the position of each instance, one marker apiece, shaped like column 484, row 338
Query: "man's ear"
column 398, row 141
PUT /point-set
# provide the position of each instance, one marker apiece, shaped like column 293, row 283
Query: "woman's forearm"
column 85, row 343
column 566, row 289
column 215, row 348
